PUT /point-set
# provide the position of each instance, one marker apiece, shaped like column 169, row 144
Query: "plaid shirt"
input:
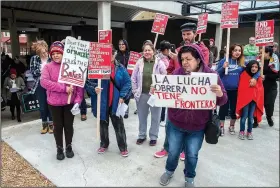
column 35, row 69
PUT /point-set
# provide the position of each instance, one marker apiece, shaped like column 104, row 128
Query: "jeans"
column 231, row 103
column 45, row 113
column 177, row 138
column 83, row 107
column 247, row 112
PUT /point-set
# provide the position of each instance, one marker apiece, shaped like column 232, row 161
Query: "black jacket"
column 270, row 76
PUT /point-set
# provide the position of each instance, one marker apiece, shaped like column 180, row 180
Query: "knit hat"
column 57, row 46
column 13, row 71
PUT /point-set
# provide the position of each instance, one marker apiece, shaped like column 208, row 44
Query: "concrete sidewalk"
column 232, row 162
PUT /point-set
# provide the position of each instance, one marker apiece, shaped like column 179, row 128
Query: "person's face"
column 254, row 68
column 148, row 52
column 274, row 48
column 43, row 53
column 189, row 63
column 188, row 36
column 252, row 41
column 236, row 52
column 13, row 76
column 56, row 57
column 266, row 56
column 122, row 46
column 211, row 43
column 165, row 52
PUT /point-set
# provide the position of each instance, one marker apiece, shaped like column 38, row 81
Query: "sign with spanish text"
column 73, row 70
column 264, row 33
column 202, row 23
column 133, row 58
column 105, row 36
column 229, row 15
column 160, row 23
column 100, row 55
column 185, row 92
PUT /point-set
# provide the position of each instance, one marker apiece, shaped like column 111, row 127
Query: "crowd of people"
column 185, row 128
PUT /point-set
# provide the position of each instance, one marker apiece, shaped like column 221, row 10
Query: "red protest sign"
column 160, row 23
column 105, row 36
column 229, row 17
column 202, row 23
column 100, row 55
column 133, row 58
column 264, row 33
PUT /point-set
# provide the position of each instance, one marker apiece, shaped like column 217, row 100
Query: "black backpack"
column 213, row 130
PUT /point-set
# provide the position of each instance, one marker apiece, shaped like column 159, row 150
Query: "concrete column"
column 14, row 36
column 124, row 33
column 218, row 38
column 104, row 15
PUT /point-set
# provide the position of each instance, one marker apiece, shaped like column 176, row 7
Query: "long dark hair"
column 248, row 68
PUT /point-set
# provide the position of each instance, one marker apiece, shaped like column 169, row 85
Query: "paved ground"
column 231, row 162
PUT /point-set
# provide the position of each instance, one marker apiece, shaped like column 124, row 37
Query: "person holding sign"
column 113, row 93
column 187, row 126
column 236, row 66
column 58, row 101
column 142, row 89
column 14, row 87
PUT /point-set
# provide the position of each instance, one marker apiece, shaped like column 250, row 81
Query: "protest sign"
column 133, row 58
column 202, row 23
column 185, row 92
column 160, row 23
column 229, row 15
column 73, row 70
column 264, row 33
column 105, row 36
column 100, row 56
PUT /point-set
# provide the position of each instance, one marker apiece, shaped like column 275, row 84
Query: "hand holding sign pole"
column 159, row 25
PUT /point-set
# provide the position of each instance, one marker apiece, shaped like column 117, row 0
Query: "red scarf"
column 246, row 94
column 111, row 89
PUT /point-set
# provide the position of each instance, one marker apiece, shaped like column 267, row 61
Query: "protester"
column 213, row 49
column 18, row 66
column 251, row 50
column 142, row 88
column 113, row 93
column 14, row 85
column 275, row 49
column 206, row 42
column 186, row 127
column 37, row 64
column 250, row 105
column 123, row 57
column 235, row 66
column 57, row 100
column 222, row 53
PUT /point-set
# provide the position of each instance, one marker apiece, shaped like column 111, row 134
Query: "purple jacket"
column 137, row 75
column 194, row 120
column 56, row 92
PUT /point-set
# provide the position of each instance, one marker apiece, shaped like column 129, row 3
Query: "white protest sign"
column 73, row 70
column 185, row 91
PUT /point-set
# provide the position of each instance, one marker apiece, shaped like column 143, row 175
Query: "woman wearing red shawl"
column 250, row 100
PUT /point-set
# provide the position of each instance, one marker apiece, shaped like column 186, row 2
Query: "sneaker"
column 60, row 155
column 125, row 116
column 182, row 156
column 140, row 141
column 83, row 117
column 19, row 120
column 250, row 136
column 165, row 178
column 153, row 142
column 231, row 130
column 241, row 135
column 50, row 128
column 101, row 150
column 69, row 151
column 161, row 153
column 45, row 128
column 135, row 112
column 124, row 153
column 222, row 133
column 189, row 184
column 162, row 124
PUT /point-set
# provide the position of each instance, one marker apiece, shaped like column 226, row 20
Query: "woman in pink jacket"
column 57, row 97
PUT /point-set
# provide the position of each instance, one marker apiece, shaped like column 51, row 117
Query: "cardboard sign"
column 73, row 70
column 185, row 92
column 264, row 33
column 30, row 102
column 229, row 15
column 202, row 23
column 100, row 56
column 133, row 58
column 160, row 23
column 105, row 36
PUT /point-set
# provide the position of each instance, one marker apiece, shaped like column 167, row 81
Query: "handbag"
column 213, row 130
column 127, row 97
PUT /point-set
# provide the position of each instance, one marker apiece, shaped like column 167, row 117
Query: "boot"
column 270, row 121
column 45, row 128
column 69, row 151
column 60, row 155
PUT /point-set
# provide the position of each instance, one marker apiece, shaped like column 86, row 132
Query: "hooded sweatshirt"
column 123, row 57
column 251, row 50
column 194, row 120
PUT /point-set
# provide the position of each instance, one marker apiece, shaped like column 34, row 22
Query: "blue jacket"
column 231, row 80
column 122, row 80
